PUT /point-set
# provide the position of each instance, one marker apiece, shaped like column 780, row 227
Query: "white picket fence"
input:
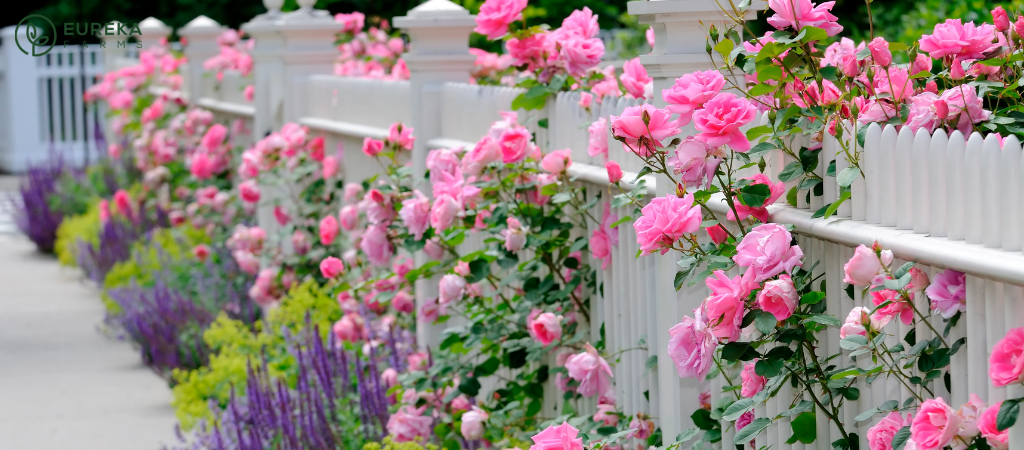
column 948, row 202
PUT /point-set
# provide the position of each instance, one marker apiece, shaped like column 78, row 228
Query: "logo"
column 35, row 34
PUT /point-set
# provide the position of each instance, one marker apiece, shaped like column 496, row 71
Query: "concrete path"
column 63, row 385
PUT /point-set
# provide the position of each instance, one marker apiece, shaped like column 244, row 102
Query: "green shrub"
column 389, row 444
column 83, row 227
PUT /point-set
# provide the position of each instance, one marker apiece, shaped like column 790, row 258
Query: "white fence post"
column 153, row 30
column 439, row 53
column 680, row 35
column 19, row 104
column 267, row 72
column 202, row 33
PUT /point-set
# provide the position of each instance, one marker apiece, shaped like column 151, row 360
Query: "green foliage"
column 83, row 227
column 233, row 345
column 389, row 444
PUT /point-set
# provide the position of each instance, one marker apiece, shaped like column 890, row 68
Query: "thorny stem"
column 833, row 414
column 558, row 273
column 902, row 375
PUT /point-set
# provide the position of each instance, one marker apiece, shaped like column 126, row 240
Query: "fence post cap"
column 154, row 26
column 201, row 24
column 436, row 13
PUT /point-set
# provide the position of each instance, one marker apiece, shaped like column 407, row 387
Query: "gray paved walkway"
column 63, row 385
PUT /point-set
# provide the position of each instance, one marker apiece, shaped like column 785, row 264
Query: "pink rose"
column 935, row 425
column 581, row 23
column 581, row 54
column 331, row 267
column 532, row 50
column 353, row 192
column 998, row 440
column 330, row 166
column 461, row 403
column 561, row 437
column 600, row 247
column 443, row 212
column 880, row 436
column 201, row 252
column 473, row 423
column 606, row 414
column 649, row 34
column 586, row 100
column 485, row 152
column 643, row 138
column 970, row 414
column 401, row 136
column 721, row 119
column 765, row 250
column 376, row 245
column 515, row 235
column 202, row 165
column 496, row 15
column 896, row 307
column 418, row 360
column 744, row 420
column 389, row 377
column 249, row 93
column 691, row 91
column 692, row 160
column 598, row 143
column 409, row 423
column 249, row 191
column 1000, row 19
column 963, row 102
column 415, row 214
column 724, row 308
column 433, row 249
column 634, row 78
column 751, row 382
column 328, row 230
column 556, row 162
column 692, row 346
column 546, row 328
column 1006, row 364
column 954, row 38
column 717, row 234
column 664, row 221
column 451, row 288
column 614, row 171
column 640, row 427
column 372, row 147
column 779, row 297
column 514, row 143
column 880, row 51
column 350, row 328
column 591, row 371
column 803, row 13
column 404, row 302
column 923, row 63
column 443, row 161
column 865, row 266
column 948, row 293
column 855, row 323
column 349, row 217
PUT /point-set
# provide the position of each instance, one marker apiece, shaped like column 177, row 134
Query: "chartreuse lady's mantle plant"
column 764, row 324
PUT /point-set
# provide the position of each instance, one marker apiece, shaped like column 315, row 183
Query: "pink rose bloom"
column 693, row 161
column 724, row 308
column 451, row 288
column 120, row 100
column 404, row 302
column 953, row 38
column 691, row 91
column 717, row 234
column 328, row 230
column 401, row 136
column 330, row 166
column 214, row 137
column 418, row 361
column 581, row 23
column 606, row 414
column 389, row 377
column 765, row 250
column 963, row 101
column 880, row 51
column 441, row 161
column 431, row 311
column 835, row 52
column 556, row 162
column 760, row 212
column 353, row 192
column 376, row 245
column 797, row 14
column 532, row 50
column 640, row 138
column 600, row 247
column 935, row 425
column 591, row 371
column 894, row 81
column 331, row 267
column 721, row 119
column 546, row 328
column 641, row 427
column 1006, row 364
column 249, row 93
column 350, row 328
column 614, row 171
column 897, row 307
column 433, row 249
column 855, row 323
column 349, row 217
column 970, row 413
column 634, row 78
column 514, row 143
column 202, row 166
column 691, row 346
column 201, row 252
column 752, row 383
column 515, row 235
column 461, row 403
column 581, row 54
column 586, row 100
column 926, row 112
column 998, row 440
column 485, row 152
column 443, row 213
column 415, row 214
column 598, row 143
column 496, row 15
column 865, row 266
column 880, row 436
column 473, row 423
column 744, row 420
column 948, row 293
column 249, row 191
column 372, row 147
column 409, row 423
column 561, row 437
column 779, row 297
column 664, row 221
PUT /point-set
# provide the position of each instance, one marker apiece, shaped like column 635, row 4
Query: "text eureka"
column 108, row 29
